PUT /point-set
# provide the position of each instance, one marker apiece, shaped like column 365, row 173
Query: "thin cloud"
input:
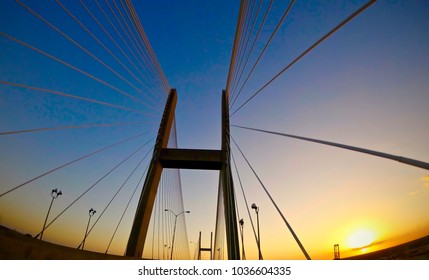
column 424, row 187
column 425, row 180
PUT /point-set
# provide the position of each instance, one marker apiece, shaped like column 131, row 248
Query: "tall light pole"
column 257, row 222
column 174, row 231
column 243, row 254
column 54, row 193
column 91, row 213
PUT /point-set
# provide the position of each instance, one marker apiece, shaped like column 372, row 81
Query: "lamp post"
column 54, row 193
column 257, row 222
column 174, row 231
column 91, row 213
column 243, row 254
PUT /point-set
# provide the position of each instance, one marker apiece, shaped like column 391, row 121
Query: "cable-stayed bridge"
column 93, row 125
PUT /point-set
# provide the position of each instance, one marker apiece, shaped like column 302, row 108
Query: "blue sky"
column 366, row 86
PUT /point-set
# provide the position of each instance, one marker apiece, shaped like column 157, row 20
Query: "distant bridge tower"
column 336, row 252
column 205, row 249
column 163, row 157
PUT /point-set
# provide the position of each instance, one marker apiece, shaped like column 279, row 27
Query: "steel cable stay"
column 401, row 159
column 73, row 67
column 264, row 49
column 125, row 209
column 220, row 224
column 167, row 228
column 173, row 200
column 113, row 40
column 120, row 49
column 80, row 46
column 169, row 194
column 154, row 222
column 118, row 32
column 185, row 230
column 18, row 85
column 129, row 39
column 252, row 21
column 318, row 42
column 243, row 256
column 243, row 35
column 245, row 198
column 123, row 40
column 93, row 185
column 251, row 49
column 235, row 46
column 99, row 42
column 164, row 193
column 167, row 218
column 163, row 225
column 147, row 45
column 164, row 231
column 220, row 230
column 274, row 203
column 33, row 130
column 155, row 225
column 230, row 200
column 116, row 193
column 159, row 220
column 116, row 44
column 149, row 70
column 135, row 31
column 136, row 45
column 177, row 179
column 73, row 161
column 179, row 230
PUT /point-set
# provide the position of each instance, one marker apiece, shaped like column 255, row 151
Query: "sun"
column 361, row 238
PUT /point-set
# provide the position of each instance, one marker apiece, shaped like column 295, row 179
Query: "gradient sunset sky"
column 367, row 85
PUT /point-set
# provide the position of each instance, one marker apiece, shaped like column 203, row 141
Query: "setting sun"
column 361, row 238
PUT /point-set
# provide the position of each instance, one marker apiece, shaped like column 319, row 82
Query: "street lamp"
column 242, row 238
column 91, row 213
column 54, row 193
column 257, row 222
column 174, row 231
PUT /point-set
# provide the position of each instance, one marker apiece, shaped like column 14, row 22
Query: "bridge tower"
column 337, row 252
column 164, row 157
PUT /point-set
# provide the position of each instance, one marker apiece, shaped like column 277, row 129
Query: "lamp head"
column 254, row 206
column 188, row 212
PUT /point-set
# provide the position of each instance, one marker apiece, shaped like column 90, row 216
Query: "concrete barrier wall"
column 16, row 246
